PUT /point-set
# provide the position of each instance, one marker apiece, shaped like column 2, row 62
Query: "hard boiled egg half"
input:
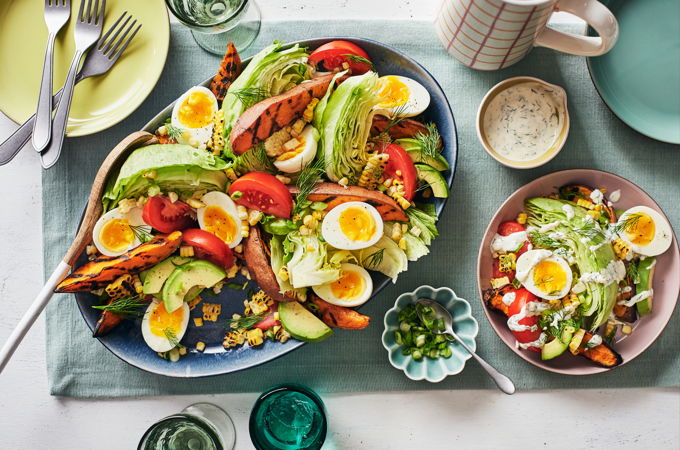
column 299, row 157
column 193, row 113
column 219, row 216
column 402, row 97
column 116, row 232
column 161, row 330
column 352, row 226
column 645, row 230
column 353, row 288
column 544, row 274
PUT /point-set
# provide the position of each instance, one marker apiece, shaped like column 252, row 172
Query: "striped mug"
column 493, row 34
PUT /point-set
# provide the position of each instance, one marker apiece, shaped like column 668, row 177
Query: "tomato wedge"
column 507, row 228
column 522, row 297
column 269, row 320
column 165, row 216
column 209, row 247
column 263, row 192
column 334, row 53
column 400, row 166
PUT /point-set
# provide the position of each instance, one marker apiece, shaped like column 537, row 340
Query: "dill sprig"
column 359, row 59
column 374, row 259
column 171, row 336
column 247, row 321
column 307, row 180
column 628, row 224
column 140, row 233
column 127, row 307
column 397, row 116
column 174, row 133
column 429, row 142
column 589, row 231
column 543, row 240
column 249, row 96
column 632, row 272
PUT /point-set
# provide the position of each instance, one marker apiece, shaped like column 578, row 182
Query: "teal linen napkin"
column 80, row 366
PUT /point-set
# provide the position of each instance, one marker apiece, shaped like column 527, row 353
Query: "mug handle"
column 597, row 16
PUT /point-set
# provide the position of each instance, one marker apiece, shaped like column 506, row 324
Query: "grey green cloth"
column 80, row 366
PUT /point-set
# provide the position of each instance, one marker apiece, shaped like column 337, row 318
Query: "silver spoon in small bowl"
column 504, row 383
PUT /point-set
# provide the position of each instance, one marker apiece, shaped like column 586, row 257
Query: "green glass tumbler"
column 288, row 417
column 216, row 23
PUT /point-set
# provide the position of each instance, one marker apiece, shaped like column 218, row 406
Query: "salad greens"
column 345, row 126
column 309, row 264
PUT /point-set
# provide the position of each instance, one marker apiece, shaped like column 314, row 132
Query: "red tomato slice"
column 209, row 247
column 507, row 228
column 334, row 53
column 522, row 297
column 498, row 274
column 263, row 192
column 269, row 320
column 402, row 162
column 165, row 216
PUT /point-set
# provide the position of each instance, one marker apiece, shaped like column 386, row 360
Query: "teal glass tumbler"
column 288, row 417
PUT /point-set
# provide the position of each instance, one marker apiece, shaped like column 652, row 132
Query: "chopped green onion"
column 421, row 337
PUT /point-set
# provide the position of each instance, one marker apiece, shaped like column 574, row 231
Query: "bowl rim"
column 594, row 370
column 411, row 294
column 541, row 160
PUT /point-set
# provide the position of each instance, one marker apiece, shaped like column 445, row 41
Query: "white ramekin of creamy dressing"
column 523, row 122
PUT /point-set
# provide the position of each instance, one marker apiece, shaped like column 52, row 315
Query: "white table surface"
column 32, row 419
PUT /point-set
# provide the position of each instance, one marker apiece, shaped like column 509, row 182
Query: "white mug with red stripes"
column 493, row 34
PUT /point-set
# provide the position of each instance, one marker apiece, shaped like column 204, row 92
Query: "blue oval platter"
column 126, row 340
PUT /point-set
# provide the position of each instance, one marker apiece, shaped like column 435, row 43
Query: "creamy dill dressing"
column 523, row 122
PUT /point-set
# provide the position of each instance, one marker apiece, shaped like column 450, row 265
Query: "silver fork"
column 98, row 61
column 87, row 32
column 57, row 13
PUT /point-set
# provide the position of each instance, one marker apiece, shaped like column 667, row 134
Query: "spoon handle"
column 504, row 383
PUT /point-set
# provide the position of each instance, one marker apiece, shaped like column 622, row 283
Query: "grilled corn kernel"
column 305, row 231
column 231, row 174
column 594, row 214
column 218, row 287
column 343, row 181
column 182, row 351
column 242, row 212
column 506, row 263
column 308, row 114
column 216, row 141
column 283, row 179
column 621, row 248
column 297, row 128
column 626, row 329
column 141, row 201
column 283, row 273
column 281, row 335
column 196, row 204
column 193, row 302
column 162, row 130
column 245, row 272
column 499, row 282
column 405, row 204
column 571, row 301
column 200, row 346
column 310, row 222
column 245, row 229
column 318, row 215
column 173, row 196
column 255, row 337
column 238, row 248
column 186, row 251
column 125, row 205
column 137, row 283
column 173, row 355
column 584, row 203
column 211, row 311
column 396, row 233
column 91, row 250
column 402, row 243
column 233, row 270
column 121, row 287
column 254, row 217
column 598, row 207
column 233, row 339
column 522, row 218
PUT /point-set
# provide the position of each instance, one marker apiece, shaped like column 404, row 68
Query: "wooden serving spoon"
column 82, row 239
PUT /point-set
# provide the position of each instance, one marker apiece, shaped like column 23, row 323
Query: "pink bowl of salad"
column 579, row 271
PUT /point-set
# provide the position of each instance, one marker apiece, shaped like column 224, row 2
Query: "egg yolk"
column 196, row 111
column 117, row 235
column 350, row 285
column 357, row 224
column 640, row 229
column 393, row 92
column 218, row 222
column 162, row 323
column 293, row 153
column 549, row 277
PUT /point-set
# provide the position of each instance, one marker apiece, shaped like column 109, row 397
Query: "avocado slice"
column 556, row 347
column 431, row 176
column 414, row 150
column 154, row 278
column 646, row 275
column 302, row 324
column 185, row 278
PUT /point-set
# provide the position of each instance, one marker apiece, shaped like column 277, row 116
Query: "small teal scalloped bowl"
column 432, row 370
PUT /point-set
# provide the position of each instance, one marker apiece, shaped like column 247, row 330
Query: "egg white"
column 663, row 235
column 301, row 160
column 525, row 272
column 417, row 102
column 194, row 136
column 226, row 204
column 332, row 233
column 326, row 293
column 133, row 216
column 161, row 343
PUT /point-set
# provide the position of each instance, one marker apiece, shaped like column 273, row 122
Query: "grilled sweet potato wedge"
column 623, row 312
column 264, row 118
column 602, row 354
column 338, row 316
column 107, row 322
column 230, row 68
column 334, row 194
column 258, row 261
column 405, row 128
column 103, row 270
